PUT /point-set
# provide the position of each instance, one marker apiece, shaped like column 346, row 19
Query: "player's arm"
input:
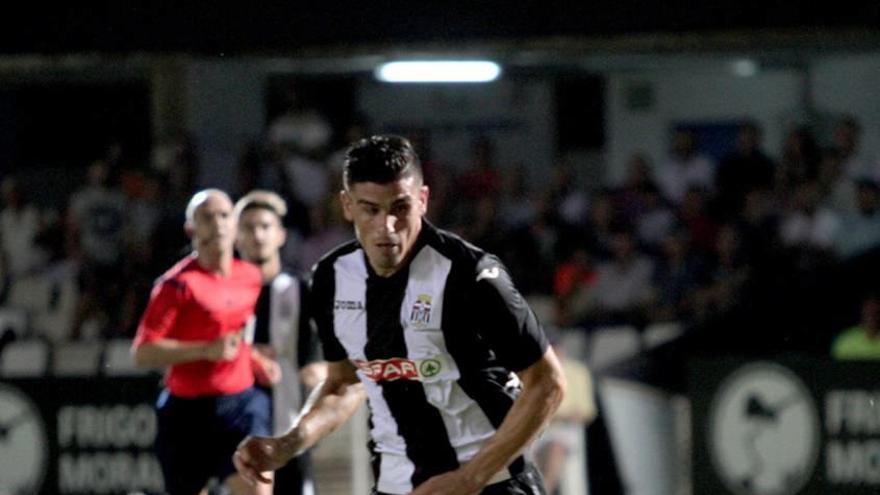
column 328, row 407
column 155, row 345
column 164, row 352
column 313, row 374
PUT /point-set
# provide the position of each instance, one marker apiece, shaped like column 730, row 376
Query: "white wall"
column 849, row 85
column 693, row 95
column 840, row 85
column 518, row 115
column 225, row 106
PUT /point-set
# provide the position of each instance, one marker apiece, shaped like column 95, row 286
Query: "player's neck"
column 215, row 261
column 270, row 268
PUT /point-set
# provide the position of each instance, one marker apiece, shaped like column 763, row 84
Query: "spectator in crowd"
column 516, row 207
column 862, row 341
column 800, row 161
column 836, row 188
column 20, row 226
column 300, row 129
column 808, row 229
column 677, row 276
column 574, row 273
column 746, row 169
column 328, row 231
column 629, row 199
column 859, row 230
column 483, row 226
column 729, row 278
column 622, row 290
column 694, row 217
column 847, row 142
column 482, row 177
column 568, row 199
column 684, row 168
column 532, row 250
column 97, row 223
column 657, row 219
column 602, row 218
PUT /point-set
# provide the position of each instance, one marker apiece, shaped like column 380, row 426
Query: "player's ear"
column 424, row 194
column 347, row 205
column 189, row 228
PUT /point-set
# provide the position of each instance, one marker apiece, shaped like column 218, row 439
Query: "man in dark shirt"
column 285, row 350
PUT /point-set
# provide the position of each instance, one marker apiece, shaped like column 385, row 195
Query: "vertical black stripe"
column 322, row 299
column 483, row 378
column 418, row 422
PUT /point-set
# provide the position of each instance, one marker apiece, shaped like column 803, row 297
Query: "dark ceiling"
column 292, row 27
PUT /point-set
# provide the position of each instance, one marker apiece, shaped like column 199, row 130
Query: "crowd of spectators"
column 683, row 238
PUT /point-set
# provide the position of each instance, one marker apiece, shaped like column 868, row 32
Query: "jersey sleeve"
column 504, row 318
column 161, row 312
column 321, row 307
column 308, row 346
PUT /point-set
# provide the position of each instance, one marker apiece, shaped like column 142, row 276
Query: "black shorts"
column 197, row 437
column 291, row 478
column 528, row 482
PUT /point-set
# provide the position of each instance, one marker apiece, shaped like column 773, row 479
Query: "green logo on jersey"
column 429, row 368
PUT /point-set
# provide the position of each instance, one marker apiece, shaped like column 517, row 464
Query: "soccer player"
column 194, row 325
column 285, row 346
column 431, row 330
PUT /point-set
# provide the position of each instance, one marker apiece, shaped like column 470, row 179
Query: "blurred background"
column 680, row 191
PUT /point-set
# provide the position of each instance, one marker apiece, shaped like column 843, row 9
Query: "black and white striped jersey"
column 435, row 345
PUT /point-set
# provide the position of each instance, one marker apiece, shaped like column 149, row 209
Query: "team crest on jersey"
column 421, row 310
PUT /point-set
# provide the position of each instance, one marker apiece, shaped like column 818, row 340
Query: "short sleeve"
column 162, row 311
column 308, row 345
column 504, row 318
column 320, row 297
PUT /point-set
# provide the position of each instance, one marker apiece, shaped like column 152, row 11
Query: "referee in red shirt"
column 195, row 325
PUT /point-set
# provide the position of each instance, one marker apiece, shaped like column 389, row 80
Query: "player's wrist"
column 474, row 476
column 290, row 444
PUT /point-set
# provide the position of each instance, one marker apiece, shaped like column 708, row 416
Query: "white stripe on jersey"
column 466, row 423
column 284, row 332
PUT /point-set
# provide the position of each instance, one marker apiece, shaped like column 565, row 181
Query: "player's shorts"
column 197, row 436
column 528, row 482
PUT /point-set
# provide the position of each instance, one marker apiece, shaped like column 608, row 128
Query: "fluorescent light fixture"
column 447, row 71
column 745, row 67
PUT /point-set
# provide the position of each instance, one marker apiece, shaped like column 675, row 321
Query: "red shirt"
column 190, row 303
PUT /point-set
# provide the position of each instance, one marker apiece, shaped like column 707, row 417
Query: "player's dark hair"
column 381, row 159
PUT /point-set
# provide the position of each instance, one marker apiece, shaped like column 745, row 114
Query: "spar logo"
column 389, row 370
column 421, row 310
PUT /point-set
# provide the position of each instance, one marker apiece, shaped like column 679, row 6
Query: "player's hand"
column 224, row 347
column 256, row 456
column 451, row 483
column 267, row 371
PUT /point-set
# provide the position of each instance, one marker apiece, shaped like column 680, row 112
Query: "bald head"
column 199, row 198
column 210, row 221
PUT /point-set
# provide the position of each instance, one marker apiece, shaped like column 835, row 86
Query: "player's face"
column 387, row 219
column 213, row 224
column 260, row 235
